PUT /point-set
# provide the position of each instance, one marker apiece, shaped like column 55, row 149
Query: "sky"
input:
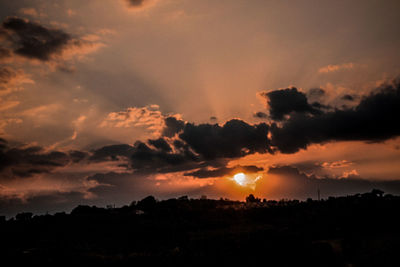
column 109, row 101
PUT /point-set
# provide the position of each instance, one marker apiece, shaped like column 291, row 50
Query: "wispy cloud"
column 334, row 68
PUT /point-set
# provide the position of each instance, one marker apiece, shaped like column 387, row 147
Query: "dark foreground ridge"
column 358, row 230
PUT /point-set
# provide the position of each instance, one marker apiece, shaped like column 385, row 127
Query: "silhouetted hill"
column 357, row 230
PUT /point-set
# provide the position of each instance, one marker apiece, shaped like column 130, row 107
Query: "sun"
column 240, row 179
column 246, row 181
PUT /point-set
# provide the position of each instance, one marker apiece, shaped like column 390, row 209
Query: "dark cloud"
column 223, row 171
column 27, row 161
column 315, row 93
column 198, row 146
column 146, row 159
column 374, row 119
column 77, row 156
column 140, row 4
column 320, row 106
column 284, row 170
column 235, row 138
column 135, row 3
column 172, row 126
column 160, row 144
column 260, row 115
column 301, row 186
column 154, row 156
column 179, row 144
column 308, row 166
column 286, row 101
column 348, row 97
column 33, row 40
column 112, row 152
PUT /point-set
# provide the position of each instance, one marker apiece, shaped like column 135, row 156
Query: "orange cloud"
column 79, row 48
column 8, row 104
column 337, row 164
column 11, row 79
column 148, row 117
column 333, row 68
column 29, row 11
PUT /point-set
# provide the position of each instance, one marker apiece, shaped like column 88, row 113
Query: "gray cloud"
column 160, row 144
column 146, row 159
column 348, row 97
column 139, row 4
column 33, row 40
column 172, row 126
column 374, row 119
column 135, row 3
column 316, row 93
column 112, row 152
column 22, row 161
column 235, row 138
column 260, row 115
column 286, row 101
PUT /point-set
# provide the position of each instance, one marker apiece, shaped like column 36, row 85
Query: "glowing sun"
column 246, row 180
column 240, row 178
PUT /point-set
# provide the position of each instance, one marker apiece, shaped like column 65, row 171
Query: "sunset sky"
column 108, row 101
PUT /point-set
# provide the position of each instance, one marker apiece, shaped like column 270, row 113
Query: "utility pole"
column 319, row 194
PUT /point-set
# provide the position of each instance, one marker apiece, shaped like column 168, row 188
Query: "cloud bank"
column 185, row 146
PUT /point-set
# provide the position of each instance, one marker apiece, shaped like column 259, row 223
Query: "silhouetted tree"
column 252, row 199
column 146, row 204
column 202, row 232
column 87, row 210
